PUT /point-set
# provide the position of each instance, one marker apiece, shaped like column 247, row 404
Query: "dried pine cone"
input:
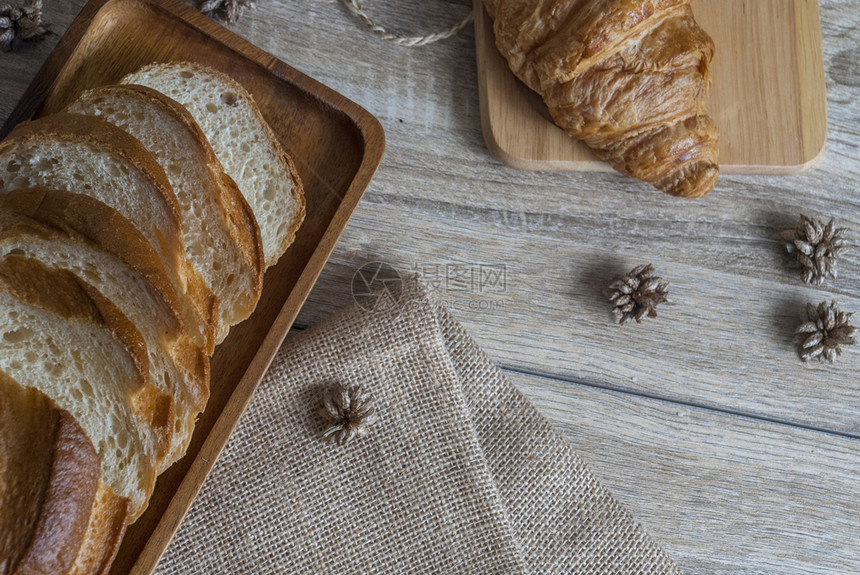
column 348, row 411
column 21, row 23
column 225, row 10
column 637, row 294
column 825, row 330
column 817, row 246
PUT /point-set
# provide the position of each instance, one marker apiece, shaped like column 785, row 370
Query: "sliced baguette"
column 221, row 234
column 49, row 471
column 243, row 142
column 88, row 155
column 42, row 224
column 64, row 338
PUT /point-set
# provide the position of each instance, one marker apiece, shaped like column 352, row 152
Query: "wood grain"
column 794, row 505
column 724, row 340
column 767, row 98
column 725, row 493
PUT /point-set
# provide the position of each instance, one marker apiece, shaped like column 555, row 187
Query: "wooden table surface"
column 737, row 457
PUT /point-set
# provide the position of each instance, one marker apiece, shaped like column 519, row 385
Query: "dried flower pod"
column 817, row 247
column 637, row 294
column 825, row 330
column 225, row 10
column 348, row 410
column 19, row 23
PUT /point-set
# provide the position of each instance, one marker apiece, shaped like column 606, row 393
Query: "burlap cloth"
column 459, row 474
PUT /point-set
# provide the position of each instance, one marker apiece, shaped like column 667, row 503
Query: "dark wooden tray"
column 336, row 146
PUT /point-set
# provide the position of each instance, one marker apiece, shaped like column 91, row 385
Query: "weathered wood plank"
column 722, row 494
column 723, row 340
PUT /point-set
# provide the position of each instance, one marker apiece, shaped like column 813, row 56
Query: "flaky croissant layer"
column 628, row 77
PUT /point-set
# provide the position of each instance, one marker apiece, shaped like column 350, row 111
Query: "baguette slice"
column 117, row 261
column 49, row 471
column 89, row 155
column 243, row 142
column 220, row 231
column 64, row 338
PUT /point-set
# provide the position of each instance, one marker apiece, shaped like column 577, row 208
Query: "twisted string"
column 355, row 7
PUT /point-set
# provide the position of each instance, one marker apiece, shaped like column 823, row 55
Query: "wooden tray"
column 768, row 96
column 336, row 146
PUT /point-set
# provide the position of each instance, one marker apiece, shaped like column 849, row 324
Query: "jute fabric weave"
column 459, row 474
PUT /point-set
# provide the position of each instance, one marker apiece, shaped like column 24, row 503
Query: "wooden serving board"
column 336, row 146
column 768, row 95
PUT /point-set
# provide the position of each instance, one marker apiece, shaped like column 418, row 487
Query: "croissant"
column 628, row 77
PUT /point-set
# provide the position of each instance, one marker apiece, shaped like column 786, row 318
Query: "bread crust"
column 47, row 454
column 62, row 294
column 97, row 132
column 124, row 242
column 84, row 218
column 237, row 217
column 104, row 135
column 106, row 527
column 297, row 190
column 67, row 503
column 157, row 405
column 240, row 217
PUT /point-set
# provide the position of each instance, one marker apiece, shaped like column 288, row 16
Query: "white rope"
column 354, row 6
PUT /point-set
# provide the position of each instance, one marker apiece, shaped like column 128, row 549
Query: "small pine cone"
column 348, row 411
column 637, row 294
column 825, row 330
column 817, row 248
column 21, row 23
column 225, row 10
